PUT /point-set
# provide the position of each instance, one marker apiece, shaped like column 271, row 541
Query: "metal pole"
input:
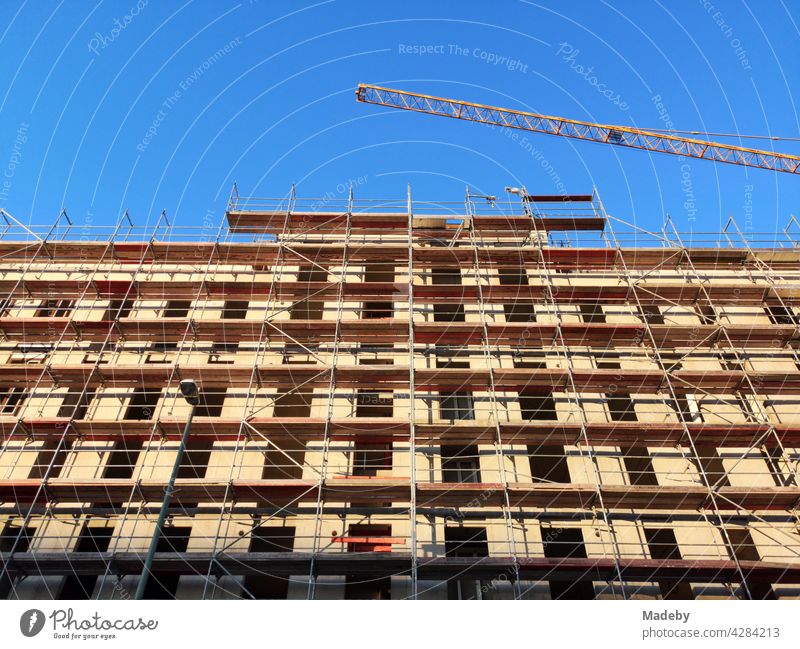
column 162, row 515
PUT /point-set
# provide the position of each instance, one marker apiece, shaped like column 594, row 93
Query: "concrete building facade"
column 401, row 400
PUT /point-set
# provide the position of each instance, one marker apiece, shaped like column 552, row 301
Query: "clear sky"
column 151, row 105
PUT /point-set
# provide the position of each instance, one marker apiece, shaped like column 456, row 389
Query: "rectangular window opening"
column 651, row 314
column 460, row 464
column 11, row 400
column 177, row 308
column 235, row 309
column 780, row 315
column 370, row 403
column 142, row 404
column 620, row 407
column 548, row 463
column 55, row 309
column 639, row 466
column 223, row 353
column 368, row 459
column 196, row 457
column 211, row 403
column 118, row 309
column 122, row 461
column 592, row 313
column 55, row 453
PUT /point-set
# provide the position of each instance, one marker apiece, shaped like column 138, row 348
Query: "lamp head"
column 190, row 391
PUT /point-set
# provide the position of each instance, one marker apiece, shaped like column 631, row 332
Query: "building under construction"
column 522, row 399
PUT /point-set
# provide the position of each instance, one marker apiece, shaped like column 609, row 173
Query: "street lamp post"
column 191, row 393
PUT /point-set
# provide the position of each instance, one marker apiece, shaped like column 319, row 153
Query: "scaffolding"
column 481, row 399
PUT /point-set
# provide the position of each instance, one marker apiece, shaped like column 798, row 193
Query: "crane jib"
column 625, row 136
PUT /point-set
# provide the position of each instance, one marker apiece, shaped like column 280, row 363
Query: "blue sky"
column 151, row 105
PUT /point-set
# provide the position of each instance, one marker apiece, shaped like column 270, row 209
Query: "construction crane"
column 626, row 136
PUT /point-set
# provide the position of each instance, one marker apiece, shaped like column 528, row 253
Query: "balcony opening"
column 548, row 463
column 177, row 308
column 466, row 542
column 651, row 314
column 567, row 543
column 309, row 308
column 592, row 313
column 55, row 453
column 368, row 538
column 235, row 309
column 516, row 311
column 368, row 459
column 460, row 464
column 277, row 466
column 455, row 405
column 91, row 539
column 142, row 404
column 663, row 546
column 373, row 309
column 164, row 585
column 269, row 539
column 7, row 539
column 447, row 312
column 744, row 549
column 9, row 536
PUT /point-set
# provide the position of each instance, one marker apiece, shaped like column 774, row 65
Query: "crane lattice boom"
column 619, row 135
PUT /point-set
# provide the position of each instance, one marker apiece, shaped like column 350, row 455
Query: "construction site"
column 488, row 398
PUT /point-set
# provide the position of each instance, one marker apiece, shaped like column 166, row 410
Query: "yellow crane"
column 626, row 136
